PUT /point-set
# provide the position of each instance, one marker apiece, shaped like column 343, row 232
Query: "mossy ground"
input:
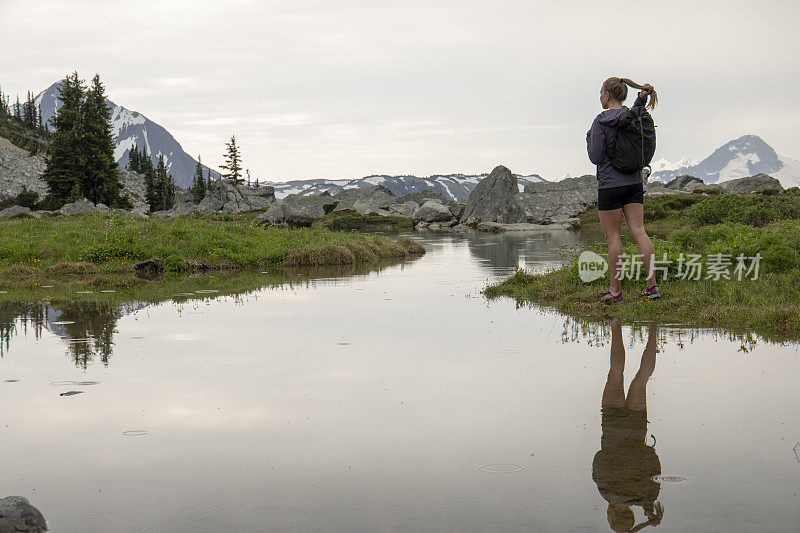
column 73, row 247
column 729, row 224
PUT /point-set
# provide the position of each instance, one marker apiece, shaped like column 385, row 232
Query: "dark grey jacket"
column 598, row 138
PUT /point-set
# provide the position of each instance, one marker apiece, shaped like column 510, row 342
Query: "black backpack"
column 635, row 144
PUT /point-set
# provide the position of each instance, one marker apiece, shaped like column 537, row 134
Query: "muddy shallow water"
column 398, row 400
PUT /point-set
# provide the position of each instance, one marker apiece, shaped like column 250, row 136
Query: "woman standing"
column 618, row 193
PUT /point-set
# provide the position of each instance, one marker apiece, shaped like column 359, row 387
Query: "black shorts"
column 616, row 197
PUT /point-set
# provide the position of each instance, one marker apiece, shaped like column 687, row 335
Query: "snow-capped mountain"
column 745, row 156
column 453, row 186
column 662, row 165
column 131, row 127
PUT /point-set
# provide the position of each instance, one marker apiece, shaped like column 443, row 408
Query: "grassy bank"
column 73, row 247
column 698, row 210
column 769, row 305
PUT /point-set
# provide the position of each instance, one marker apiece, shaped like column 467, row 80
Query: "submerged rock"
column 18, row 515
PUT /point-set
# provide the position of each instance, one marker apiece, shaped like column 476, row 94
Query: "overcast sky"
column 342, row 89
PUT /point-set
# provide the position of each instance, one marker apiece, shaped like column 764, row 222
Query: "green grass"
column 769, row 305
column 350, row 220
column 53, row 247
column 697, row 210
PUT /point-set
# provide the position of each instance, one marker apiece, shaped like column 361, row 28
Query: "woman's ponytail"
column 646, row 88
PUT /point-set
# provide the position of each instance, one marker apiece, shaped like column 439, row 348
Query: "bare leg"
column 612, row 225
column 614, row 392
column 634, row 218
column 637, row 392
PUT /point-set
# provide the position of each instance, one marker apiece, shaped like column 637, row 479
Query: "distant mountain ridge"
column 746, row 156
column 131, row 127
column 456, row 187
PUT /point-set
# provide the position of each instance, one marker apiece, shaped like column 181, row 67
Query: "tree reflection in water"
column 87, row 327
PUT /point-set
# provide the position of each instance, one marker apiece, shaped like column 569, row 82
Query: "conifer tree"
column 165, row 186
column 233, row 162
column 151, row 194
column 42, row 127
column 66, row 159
column 257, row 183
column 133, row 159
column 199, row 185
column 17, row 110
column 101, row 175
column 29, row 112
column 208, row 181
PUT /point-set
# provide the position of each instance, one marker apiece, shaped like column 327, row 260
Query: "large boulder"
column 375, row 202
column 297, row 210
column 403, row 209
column 82, row 207
column 224, row 197
column 17, row 211
column 685, row 182
column 432, row 211
column 259, row 197
column 494, row 199
column 751, row 184
column 556, row 202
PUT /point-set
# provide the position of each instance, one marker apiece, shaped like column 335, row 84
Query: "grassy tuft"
column 113, row 243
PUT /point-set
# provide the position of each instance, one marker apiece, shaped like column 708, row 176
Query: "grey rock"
column 432, row 211
column 374, row 201
column 494, row 199
column 224, row 197
column 259, row 197
column 273, row 215
column 751, row 184
column 82, row 207
column 685, row 183
column 403, row 209
column 299, row 210
column 557, row 202
column 18, row 515
column 16, row 211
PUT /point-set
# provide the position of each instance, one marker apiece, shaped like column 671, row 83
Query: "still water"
column 399, row 400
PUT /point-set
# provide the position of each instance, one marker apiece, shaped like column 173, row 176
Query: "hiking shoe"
column 651, row 293
column 608, row 298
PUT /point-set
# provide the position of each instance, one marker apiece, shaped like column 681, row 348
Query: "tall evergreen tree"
column 208, row 181
column 165, row 187
column 233, row 162
column 152, row 192
column 133, row 159
column 29, row 112
column 199, row 183
column 17, row 110
column 66, row 159
column 41, row 125
column 101, row 176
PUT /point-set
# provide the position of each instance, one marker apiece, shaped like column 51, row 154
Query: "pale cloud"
column 343, row 89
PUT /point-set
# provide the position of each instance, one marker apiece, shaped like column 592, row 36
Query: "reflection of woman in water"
column 625, row 465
